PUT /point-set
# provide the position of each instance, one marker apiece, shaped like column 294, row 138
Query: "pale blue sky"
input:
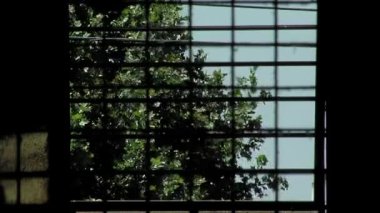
column 293, row 152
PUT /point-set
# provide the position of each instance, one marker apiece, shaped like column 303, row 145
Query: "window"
column 23, row 168
column 194, row 106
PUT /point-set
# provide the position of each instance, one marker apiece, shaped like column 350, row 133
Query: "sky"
column 293, row 152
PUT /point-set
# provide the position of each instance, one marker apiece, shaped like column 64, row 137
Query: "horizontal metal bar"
column 197, row 28
column 157, row 43
column 189, row 171
column 194, row 64
column 192, row 131
column 226, row 2
column 206, row 136
column 252, row 1
column 14, row 174
column 187, row 99
column 190, row 205
column 184, row 87
column 183, row 135
column 245, row 6
column 22, row 207
column 188, row 133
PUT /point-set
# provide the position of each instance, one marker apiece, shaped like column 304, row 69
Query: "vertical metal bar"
column 104, row 107
column 59, row 124
column 18, row 167
column 276, row 108
column 147, row 104
column 319, row 124
column 190, row 29
column 233, row 104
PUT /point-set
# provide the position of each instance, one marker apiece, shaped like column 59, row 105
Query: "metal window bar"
column 150, row 133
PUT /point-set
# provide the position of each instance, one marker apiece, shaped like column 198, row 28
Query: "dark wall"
column 32, row 63
column 349, row 59
column 32, row 84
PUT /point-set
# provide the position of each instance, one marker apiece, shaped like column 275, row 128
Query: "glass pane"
column 297, row 93
column 249, row 54
column 303, row 76
column 296, row 153
column 266, row 110
column 254, row 36
column 254, row 187
column 169, row 187
column 179, row 119
column 34, row 190
column 297, row 76
column 215, row 54
column 34, row 152
column 169, row 153
column 300, row 188
column 129, row 76
column 217, row 71
column 93, row 154
column 185, row 13
column 297, row 54
column 97, row 188
column 249, row 115
column 262, row 156
column 126, row 116
column 191, row 153
column 8, row 191
column 8, row 150
column 212, row 186
column 209, row 36
column 162, row 76
column 252, row 16
column 264, row 75
column 296, row 17
column 211, row 16
column 297, row 36
column 86, row 76
column 124, row 187
column 296, row 114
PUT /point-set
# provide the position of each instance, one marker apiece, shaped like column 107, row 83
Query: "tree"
column 176, row 115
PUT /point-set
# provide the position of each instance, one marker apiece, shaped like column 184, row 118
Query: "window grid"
column 149, row 133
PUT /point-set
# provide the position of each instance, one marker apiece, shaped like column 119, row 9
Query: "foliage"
column 179, row 127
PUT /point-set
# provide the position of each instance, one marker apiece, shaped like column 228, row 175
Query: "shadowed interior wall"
column 31, row 93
